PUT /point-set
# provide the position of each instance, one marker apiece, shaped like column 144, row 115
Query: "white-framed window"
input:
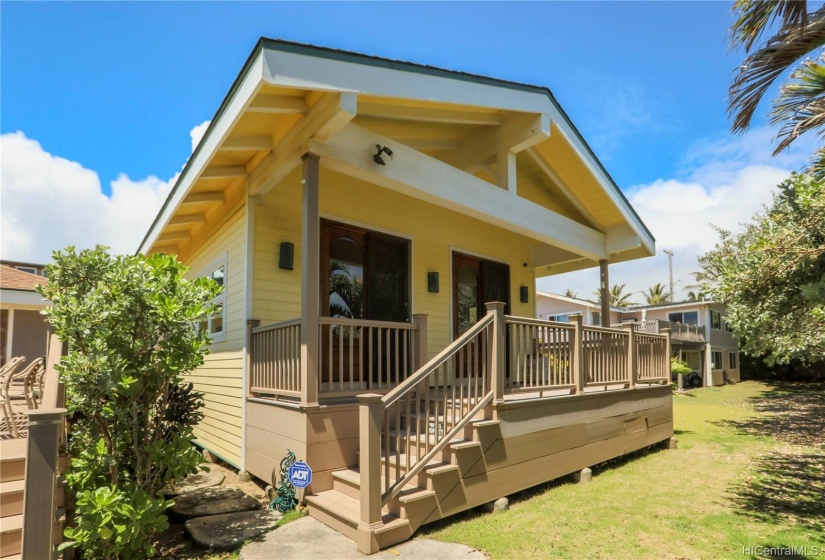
column 732, row 360
column 715, row 320
column 728, row 327
column 28, row 269
column 716, row 357
column 596, row 317
column 563, row 318
column 684, row 317
column 215, row 324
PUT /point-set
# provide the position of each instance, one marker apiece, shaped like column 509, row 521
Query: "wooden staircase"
column 419, row 502
column 12, row 483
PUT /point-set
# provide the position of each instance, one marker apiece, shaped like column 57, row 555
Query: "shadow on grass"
column 785, row 486
column 794, row 413
column 682, row 432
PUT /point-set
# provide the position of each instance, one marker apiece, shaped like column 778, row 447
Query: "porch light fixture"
column 432, row 282
column 381, row 150
column 286, row 255
column 524, row 294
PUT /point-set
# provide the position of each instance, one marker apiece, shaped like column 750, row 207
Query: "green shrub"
column 130, row 325
column 678, row 366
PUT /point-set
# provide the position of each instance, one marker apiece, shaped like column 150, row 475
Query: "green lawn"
column 749, row 471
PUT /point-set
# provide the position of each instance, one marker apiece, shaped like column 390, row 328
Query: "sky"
column 102, row 104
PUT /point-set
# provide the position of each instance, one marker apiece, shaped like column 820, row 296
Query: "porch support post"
column 250, row 355
column 310, row 281
column 420, row 321
column 668, row 350
column 497, row 350
column 604, row 282
column 369, row 416
column 631, row 355
column 576, row 350
column 45, row 427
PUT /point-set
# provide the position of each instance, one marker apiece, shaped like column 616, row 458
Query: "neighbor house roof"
column 630, row 309
column 577, row 301
column 13, row 279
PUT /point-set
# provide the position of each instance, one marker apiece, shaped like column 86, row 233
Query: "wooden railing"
column 46, row 443
column 275, row 359
column 414, row 422
column 678, row 331
column 652, row 357
column 359, row 355
column 540, row 355
column 605, row 356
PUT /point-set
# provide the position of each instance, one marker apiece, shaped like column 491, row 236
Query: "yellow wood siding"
column 434, row 233
column 220, row 379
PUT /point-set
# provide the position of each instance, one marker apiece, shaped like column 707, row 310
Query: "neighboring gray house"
column 700, row 335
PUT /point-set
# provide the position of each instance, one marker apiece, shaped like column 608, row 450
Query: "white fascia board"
column 415, row 174
column 218, row 130
column 19, row 297
column 294, row 70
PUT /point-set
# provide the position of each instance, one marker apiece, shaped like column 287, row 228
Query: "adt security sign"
column 300, row 475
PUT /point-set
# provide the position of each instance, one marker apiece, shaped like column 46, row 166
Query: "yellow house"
column 378, row 227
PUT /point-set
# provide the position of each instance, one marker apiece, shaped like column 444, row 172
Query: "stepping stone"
column 195, row 482
column 213, row 501
column 228, row 531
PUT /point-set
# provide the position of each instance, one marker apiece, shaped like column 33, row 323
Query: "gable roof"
column 13, row 279
column 303, row 66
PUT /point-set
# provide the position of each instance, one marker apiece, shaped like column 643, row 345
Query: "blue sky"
column 115, row 88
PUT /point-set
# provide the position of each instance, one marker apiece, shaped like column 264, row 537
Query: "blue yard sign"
column 300, row 475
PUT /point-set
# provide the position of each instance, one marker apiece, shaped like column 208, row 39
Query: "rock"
column 502, row 504
column 195, row 482
column 243, row 476
column 672, row 442
column 230, row 530
column 213, row 501
column 584, row 475
column 209, row 456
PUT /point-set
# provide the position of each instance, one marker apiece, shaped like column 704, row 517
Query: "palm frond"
column 800, row 105
column 754, row 17
column 817, row 167
column 763, row 66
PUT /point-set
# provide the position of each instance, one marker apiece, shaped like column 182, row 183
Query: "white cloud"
column 723, row 182
column 49, row 202
column 197, row 133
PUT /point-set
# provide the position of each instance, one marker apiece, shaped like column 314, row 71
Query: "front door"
column 476, row 281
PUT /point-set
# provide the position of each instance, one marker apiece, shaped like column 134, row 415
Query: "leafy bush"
column 129, row 322
column 678, row 366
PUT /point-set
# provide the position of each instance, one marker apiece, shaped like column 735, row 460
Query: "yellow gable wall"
column 433, row 231
column 220, row 378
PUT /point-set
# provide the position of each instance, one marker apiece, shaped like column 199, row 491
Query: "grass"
column 749, row 471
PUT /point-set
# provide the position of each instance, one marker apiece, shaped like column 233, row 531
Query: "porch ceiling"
column 476, row 133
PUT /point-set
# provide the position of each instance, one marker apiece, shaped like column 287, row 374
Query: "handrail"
column 390, row 398
column 514, row 319
column 274, row 326
column 365, row 323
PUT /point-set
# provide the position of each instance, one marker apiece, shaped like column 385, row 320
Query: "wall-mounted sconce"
column 381, row 150
column 286, row 255
column 524, row 294
column 432, row 282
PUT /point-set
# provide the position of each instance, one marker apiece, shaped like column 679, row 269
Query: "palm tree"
column 570, row 293
column 656, row 295
column 617, row 296
column 800, row 104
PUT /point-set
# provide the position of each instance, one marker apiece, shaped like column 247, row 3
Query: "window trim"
column 207, row 272
column 713, row 362
column 732, row 360
column 717, row 325
column 28, row 269
column 682, row 313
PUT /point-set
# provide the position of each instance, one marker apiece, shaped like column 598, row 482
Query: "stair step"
column 12, row 459
column 11, row 535
column 11, row 497
column 348, row 482
column 343, row 513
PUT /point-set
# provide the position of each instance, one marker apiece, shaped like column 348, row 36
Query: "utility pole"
column 669, row 254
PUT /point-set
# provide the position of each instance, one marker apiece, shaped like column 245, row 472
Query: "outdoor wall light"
column 286, row 255
column 432, row 282
column 524, row 294
column 381, row 150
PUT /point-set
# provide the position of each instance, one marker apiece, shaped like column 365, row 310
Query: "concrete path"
column 309, row 539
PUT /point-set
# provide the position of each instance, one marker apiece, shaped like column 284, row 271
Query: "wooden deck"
column 12, row 485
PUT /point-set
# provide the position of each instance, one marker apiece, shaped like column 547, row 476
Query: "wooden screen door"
column 475, row 282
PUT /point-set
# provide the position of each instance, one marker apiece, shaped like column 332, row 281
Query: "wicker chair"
column 15, row 384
